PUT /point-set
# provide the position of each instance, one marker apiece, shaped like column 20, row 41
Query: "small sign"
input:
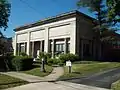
column 34, row 59
column 68, row 63
column 42, row 59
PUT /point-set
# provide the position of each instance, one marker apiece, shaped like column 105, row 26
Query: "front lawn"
column 116, row 85
column 8, row 82
column 79, row 70
column 36, row 71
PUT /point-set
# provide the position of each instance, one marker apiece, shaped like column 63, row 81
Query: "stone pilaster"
column 15, row 45
column 53, row 48
column 28, row 44
column 65, row 45
column 73, row 38
column 46, row 46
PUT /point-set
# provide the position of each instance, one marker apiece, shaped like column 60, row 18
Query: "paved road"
column 103, row 80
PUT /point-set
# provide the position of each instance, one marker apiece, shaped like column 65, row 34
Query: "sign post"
column 43, row 65
column 68, row 63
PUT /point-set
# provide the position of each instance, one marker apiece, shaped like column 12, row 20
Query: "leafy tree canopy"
column 4, row 13
column 113, row 10
column 107, row 12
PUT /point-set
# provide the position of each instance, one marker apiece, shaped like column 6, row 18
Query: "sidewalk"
column 55, row 86
column 40, row 83
column 55, row 74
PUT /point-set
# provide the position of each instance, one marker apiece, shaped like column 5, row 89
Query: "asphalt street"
column 103, row 80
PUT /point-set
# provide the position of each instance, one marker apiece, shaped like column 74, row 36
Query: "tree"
column 97, row 7
column 107, row 12
column 4, row 13
column 113, row 11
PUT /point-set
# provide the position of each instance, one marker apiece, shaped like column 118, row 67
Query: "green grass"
column 79, row 70
column 8, row 82
column 116, row 85
column 36, row 71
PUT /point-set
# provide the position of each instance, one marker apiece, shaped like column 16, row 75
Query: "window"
column 59, row 48
column 22, row 47
column 86, row 49
column 68, row 48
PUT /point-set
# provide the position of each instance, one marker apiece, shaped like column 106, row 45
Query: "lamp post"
column 43, row 65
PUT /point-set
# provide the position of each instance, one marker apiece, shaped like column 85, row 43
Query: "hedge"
column 5, row 62
column 44, row 55
column 2, row 63
column 22, row 63
column 54, row 61
column 69, row 56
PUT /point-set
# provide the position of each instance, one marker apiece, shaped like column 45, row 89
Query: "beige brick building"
column 70, row 32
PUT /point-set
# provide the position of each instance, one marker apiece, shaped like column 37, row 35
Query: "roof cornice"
column 53, row 19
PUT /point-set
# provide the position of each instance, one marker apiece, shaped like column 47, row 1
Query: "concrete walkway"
column 25, row 77
column 40, row 85
column 55, row 74
column 55, row 86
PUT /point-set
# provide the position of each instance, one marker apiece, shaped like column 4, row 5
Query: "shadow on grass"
column 35, row 66
column 18, row 82
column 77, row 72
column 12, row 84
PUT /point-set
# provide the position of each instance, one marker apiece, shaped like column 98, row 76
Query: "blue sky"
column 30, row 11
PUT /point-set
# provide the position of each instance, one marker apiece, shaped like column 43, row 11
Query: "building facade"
column 70, row 32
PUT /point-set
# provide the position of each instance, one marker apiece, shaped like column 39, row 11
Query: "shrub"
column 2, row 63
column 46, row 56
column 54, row 61
column 50, row 61
column 66, row 57
column 41, row 55
column 23, row 54
column 5, row 62
column 8, row 61
column 22, row 63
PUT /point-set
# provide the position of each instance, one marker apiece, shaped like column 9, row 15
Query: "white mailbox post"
column 69, row 65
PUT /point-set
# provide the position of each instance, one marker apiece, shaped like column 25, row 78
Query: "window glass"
column 22, row 47
column 59, row 48
column 68, row 47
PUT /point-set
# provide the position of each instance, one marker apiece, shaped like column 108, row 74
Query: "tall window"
column 59, row 48
column 22, row 47
column 68, row 48
column 86, row 50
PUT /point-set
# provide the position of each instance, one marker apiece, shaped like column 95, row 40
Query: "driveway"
column 103, row 80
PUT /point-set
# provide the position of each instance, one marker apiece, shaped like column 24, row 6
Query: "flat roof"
column 54, row 19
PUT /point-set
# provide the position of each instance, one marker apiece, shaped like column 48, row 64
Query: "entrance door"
column 86, row 50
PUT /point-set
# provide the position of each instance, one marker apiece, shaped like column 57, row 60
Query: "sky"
column 29, row 11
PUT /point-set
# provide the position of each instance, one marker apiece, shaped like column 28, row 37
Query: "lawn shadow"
column 18, row 82
column 77, row 72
